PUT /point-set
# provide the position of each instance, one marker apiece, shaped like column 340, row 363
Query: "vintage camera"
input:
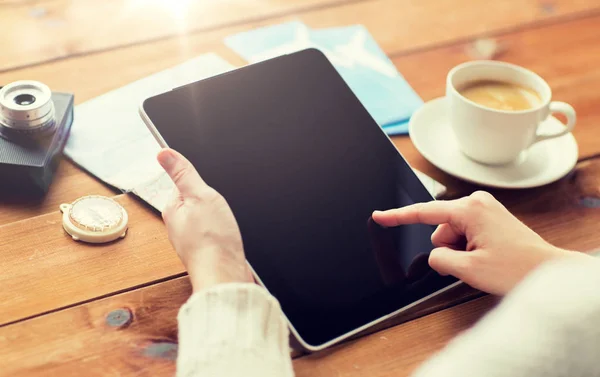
column 34, row 127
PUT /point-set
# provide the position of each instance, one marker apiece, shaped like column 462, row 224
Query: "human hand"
column 202, row 228
column 500, row 250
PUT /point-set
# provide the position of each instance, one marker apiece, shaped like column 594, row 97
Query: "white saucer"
column 543, row 163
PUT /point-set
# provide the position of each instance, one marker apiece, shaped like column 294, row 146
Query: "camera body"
column 34, row 128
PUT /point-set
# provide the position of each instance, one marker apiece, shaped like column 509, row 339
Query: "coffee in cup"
column 496, row 109
column 500, row 95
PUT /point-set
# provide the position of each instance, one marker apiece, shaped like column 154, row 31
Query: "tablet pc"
column 303, row 165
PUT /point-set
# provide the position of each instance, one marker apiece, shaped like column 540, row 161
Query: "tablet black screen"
column 303, row 165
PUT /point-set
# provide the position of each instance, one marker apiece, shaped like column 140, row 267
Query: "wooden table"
column 70, row 310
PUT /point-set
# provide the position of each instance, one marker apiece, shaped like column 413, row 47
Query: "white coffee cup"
column 492, row 136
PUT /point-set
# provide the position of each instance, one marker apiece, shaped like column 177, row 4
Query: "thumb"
column 447, row 261
column 182, row 172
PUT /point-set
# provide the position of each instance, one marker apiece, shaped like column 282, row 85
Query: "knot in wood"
column 161, row 350
column 119, row 318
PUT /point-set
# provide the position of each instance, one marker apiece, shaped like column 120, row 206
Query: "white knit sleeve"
column 233, row 330
column 549, row 326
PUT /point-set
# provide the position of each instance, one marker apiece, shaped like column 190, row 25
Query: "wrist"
column 560, row 253
column 574, row 253
column 212, row 266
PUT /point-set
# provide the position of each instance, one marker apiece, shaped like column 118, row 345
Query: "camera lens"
column 24, row 99
column 26, row 108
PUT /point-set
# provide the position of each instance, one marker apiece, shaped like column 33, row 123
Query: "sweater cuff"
column 229, row 321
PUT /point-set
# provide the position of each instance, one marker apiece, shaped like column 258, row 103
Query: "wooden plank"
column 92, row 75
column 42, row 268
column 87, row 340
column 87, row 337
column 55, row 29
column 74, row 28
column 69, row 184
column 66, row 342
column 565, row 213
column 573, row 77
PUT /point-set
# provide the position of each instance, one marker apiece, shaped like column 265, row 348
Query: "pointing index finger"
column 432, row 213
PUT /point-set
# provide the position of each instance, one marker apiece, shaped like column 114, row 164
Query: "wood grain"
column 42, row 268
column 566, row 213
column 87, row 340
column 73, row 28
column 565, row 58
column 54, row 29
column 88, row 337
column 69, row 184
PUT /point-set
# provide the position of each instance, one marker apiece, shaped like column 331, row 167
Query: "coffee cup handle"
column 568, row 111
